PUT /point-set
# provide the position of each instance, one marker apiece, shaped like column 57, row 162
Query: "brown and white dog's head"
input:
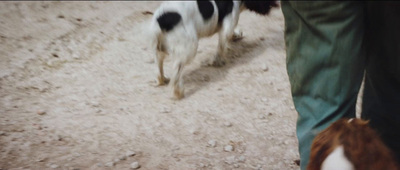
column 350, row 144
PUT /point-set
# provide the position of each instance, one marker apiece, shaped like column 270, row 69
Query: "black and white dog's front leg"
column 227, row 34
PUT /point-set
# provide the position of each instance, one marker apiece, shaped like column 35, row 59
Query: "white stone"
column 230, row 160
column 165, row 110
column 123, row 157
column 228, row 148
column 109, row 164
column 54, row 166
column 41, row 112
column 241, row 158
column 201, row 165
column 265, row 67
column 212, row 143
column 135, row 165
column 228, row 124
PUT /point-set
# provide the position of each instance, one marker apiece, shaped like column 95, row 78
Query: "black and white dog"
column 176, row 28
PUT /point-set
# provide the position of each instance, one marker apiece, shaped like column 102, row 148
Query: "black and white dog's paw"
column 218, row 62
column 237, row 35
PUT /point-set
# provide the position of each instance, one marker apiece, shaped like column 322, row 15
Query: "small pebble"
column 147, row 13
column 158, row 124
column 123, row 157
column 206, row 78
column 176, row 148
column 130, row 153
column 261, row 116
column 286, row 142
column 41, row 159
column 265, row 67
column 194, row 132
column 230, row 160
column 54, row 166
column 135, row 165
column 201, row 165
column 59, row 138
column 41, row 112
column 2, row 133
column 212, row 143
column 297, row 162
column 228, row 124
column 165, row 110
column 228, row 148
column 95, row 104
column 109, row 164
column 76, row 154
column 264, row 99
column 236, row 165
column 241, row 158
column 270, row 114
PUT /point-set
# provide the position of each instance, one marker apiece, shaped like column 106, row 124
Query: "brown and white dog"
column 176, row 28
column 350, row 144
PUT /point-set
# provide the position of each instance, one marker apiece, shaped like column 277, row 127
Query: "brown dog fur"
column 362, row 146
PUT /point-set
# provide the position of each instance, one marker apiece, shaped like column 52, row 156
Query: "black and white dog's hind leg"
column 184, row 49
column 176, row 40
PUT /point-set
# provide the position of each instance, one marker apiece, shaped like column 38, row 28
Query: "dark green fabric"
column 328, row 47
column 325, row 63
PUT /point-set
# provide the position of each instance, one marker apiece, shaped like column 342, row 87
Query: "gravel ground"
column 78, row 91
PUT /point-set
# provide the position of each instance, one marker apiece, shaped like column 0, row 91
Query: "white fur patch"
column 337, row 161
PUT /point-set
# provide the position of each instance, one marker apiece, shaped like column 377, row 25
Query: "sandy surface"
column 77, row 91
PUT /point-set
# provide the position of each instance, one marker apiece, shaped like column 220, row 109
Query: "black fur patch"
column 206, row 9
column 224, row 8
column 168, row 20
column 260, row 7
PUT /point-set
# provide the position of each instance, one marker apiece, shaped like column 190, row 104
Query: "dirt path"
column 77, row 91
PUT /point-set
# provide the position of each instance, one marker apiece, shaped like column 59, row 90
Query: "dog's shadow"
column 241, row 52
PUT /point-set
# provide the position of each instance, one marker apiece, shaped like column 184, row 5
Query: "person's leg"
column 325, row 63
column 381, row 100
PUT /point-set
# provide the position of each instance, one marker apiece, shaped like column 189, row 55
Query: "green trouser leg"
column 381, row 100
column 325, row 63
